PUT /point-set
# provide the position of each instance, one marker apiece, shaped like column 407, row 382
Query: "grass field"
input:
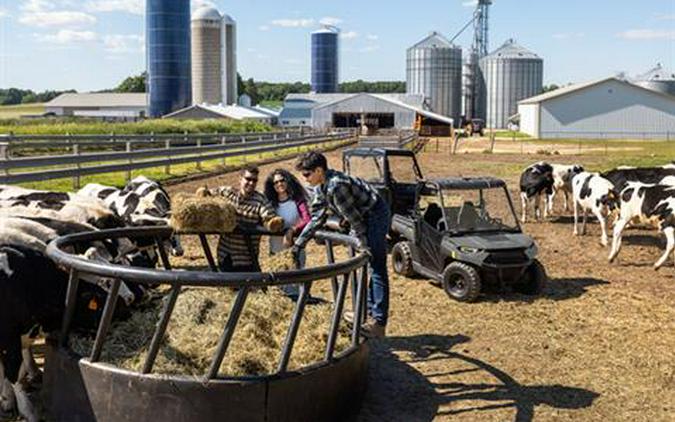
column 16, row 111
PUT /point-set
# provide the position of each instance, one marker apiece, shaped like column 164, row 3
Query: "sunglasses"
column 280, row 181
column 251, row 179
column 307, row 173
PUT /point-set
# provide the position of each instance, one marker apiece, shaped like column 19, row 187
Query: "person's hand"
column 295, row 252
column 362, row 245
column 344, row 225
column 288, row 238
column 275, row 225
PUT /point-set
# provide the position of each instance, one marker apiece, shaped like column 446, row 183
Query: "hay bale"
column 196, row 326
column 275, row 225
column 202, row 214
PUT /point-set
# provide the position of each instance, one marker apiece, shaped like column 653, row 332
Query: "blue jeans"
column 378, row 291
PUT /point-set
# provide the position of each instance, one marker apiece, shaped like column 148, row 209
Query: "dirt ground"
column 596, row 345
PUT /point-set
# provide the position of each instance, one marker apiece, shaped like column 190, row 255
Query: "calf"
column 653, row 203
column 593, row 193
column 562, row 182
column 535, row 181
column 620, row 177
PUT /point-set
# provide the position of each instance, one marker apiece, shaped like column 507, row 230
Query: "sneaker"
column 373, row 329
column 348, row 316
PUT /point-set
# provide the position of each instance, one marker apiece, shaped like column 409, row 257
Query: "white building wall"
column 404, row 118
column 529, row 119
column 608, row 110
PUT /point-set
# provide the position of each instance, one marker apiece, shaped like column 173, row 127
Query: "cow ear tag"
column 93, row 305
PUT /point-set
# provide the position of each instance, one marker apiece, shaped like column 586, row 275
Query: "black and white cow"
column 536, row 181
column 562, row 182
column 649, row 203
column 647, row 175
column 142, row 202
column 591, row 192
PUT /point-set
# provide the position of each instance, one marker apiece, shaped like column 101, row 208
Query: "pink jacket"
column 305, row 217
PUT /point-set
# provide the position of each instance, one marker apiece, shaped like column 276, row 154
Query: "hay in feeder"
column 280, row 261
column 275, row 225
column 202, row 214
column 197, row 324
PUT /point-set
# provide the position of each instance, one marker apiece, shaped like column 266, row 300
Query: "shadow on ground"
column 556, row 289
column 399, row 391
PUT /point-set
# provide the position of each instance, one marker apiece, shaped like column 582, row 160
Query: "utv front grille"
column 511, row 257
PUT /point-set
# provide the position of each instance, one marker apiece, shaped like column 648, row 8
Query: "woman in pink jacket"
column 289, row 199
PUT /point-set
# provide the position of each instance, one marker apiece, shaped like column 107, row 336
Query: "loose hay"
column 197, row 324
column 280, row 261
column 202, row 213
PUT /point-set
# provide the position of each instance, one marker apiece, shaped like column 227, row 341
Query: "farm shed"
column 609, row 108
column 234, row 112
column 107, row 106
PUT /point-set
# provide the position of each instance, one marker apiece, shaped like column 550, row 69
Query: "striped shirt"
column 252, row 210
column 348, row 197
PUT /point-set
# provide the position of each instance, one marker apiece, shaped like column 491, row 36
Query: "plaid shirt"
column 252, row 210
column 346, row 196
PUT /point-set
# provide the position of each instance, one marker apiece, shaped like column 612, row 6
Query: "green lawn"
column 16, row 111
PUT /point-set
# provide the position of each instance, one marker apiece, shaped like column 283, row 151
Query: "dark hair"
column 250, row 168
column 310, row 161
column 295, row 190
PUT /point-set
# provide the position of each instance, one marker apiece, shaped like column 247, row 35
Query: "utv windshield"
column 402, row 169
column 475, row 210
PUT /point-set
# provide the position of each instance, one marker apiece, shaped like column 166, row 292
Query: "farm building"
column 609, row 108
column 106, row 106
column 377, row 111
column 233, row 112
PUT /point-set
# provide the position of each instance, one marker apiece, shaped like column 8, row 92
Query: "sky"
column 94, row 44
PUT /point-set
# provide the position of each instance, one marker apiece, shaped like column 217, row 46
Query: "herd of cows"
column 33, row 288
column 639, row 195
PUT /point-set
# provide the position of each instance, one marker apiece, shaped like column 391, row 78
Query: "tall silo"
column 325, row 60
column 658, row 79
column 207, row 59
column 229, row 69
column 168, row 50
column 434, row 69
column 510, row 74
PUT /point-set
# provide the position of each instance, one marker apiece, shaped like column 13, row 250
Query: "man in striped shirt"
column 237, row 252
column 367, row 213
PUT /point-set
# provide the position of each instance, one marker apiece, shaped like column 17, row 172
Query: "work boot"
column 373, row 329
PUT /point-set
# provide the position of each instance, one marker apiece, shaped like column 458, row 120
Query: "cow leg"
column 670, row 246
column 583, row 222
column 537, row 207
column 551, row 197
column 576, row 217
column 523, row 206
column 603, row 225
column 619, row 226
column 566, row 200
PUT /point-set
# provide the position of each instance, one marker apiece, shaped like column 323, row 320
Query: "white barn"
column 609, row 108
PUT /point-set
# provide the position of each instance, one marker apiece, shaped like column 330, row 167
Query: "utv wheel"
column 533, row 280
column 401, row 256
column 461, row 282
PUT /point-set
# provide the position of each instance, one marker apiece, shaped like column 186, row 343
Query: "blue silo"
column 325, row 62
column 168, row 50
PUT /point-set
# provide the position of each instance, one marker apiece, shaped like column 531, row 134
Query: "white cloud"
column 3, row 13
column 119, row 44
column 568, row 35
column 350, row 35
column 264, row 28
column 372, row 37
column 33, row 6
column 67, row 36
column 369, row 49
column 293, row 23
column 196, row 4
column 56, row 18
column 330, row 20
column 647, row 34
column 136, row 7
column 470, row 3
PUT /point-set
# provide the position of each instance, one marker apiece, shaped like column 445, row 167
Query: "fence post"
column 199, row 153
column 4, row 150
column 128, row 172
column 223, row 141
column 167, row 147
column 76, row 178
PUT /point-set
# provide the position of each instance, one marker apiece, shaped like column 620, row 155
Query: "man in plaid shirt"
column 361, row 206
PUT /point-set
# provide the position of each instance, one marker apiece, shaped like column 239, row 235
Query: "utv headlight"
column 467, row 249
column 532, row 251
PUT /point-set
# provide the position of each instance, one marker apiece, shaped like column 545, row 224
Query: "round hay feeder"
column 88, row 388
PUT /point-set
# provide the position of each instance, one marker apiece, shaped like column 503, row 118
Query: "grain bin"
column 658, row 79
column 325, row 60
column 168, row 49
column 229, row 68
column 434, row 69
column 509, row 74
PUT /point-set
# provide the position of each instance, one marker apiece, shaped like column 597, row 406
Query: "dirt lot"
column 596, row 345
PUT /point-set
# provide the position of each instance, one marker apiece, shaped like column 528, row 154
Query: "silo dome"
column 434, row 69
column 510, row 73
column 658, row 79
column 206, row 13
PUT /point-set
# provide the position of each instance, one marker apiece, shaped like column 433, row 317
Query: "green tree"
column 133, row 84
column 547, row 88
column 252, row 91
